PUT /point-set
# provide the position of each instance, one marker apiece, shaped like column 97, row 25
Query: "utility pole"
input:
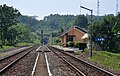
column 98, row 4
column 42, row 37
column 52, row 38
column 91, row 23
column 116, row 7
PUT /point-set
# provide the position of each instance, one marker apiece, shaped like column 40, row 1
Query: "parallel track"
column 9, row 61
column 82, row 67
column 14, row 54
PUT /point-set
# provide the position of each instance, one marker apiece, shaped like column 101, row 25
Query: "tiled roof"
column 72, row 28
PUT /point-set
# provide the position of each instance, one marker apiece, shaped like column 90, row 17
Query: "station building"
column 74, row 34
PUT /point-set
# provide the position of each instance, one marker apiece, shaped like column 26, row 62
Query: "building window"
column 70, row 38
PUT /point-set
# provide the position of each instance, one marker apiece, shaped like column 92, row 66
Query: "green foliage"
column 26, row 35
column 24, row 44
column 57, row 21
column 53, row 23
column 57, row 41
column 28, row 29
column 8, row 17
column 81, row 46
column 107, row 28
column 71, row 44
column 6, row 47
column 78, row 52
column 111, row 60
column 12, row 34
column 30, row 21
column 81, row 21
column 60, row 44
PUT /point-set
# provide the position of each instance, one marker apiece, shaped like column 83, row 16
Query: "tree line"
column 16, row 28
column 12, row 31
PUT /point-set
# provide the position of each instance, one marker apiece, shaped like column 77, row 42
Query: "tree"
column 12, row 34
column 25, row 35
column 81, row 21
column 108, row 29
column 8, row 17
column 31, row 21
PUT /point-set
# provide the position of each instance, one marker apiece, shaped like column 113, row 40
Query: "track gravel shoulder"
column 11, row 52
column 58, row 67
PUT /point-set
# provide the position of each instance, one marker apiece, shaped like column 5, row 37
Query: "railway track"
column 82, row 67
column 58, row 66
column 7, row 62
column 10, row 53
column 41, row 67
column 13, row 65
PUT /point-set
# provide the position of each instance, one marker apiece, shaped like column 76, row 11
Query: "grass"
column 78, row 52
column 6, row 47
column 24, row 44
column 108, row 59
column 19, row 44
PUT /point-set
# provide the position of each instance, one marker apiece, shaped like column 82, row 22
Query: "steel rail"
column 76, row 69
column 14, row 54
column 87, row 63
column 15, row 61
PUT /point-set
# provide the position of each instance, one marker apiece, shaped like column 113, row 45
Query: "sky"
column 43, row 8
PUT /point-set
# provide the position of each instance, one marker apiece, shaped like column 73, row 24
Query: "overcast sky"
column 43, row 8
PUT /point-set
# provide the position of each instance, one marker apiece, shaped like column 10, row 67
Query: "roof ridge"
column 73, row 27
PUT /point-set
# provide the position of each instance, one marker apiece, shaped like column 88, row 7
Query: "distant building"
column 75, row 34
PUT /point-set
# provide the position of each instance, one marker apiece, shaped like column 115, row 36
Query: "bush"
column 81, row 46
column 77, row 44
column 60, row 44
column 1, row 45
column 71, row 44
column 57, row 41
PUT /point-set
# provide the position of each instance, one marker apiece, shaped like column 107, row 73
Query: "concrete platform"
column 66, row 49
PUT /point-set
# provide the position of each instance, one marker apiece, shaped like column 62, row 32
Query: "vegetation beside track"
column 24, row 44
column 6, row 47
column 111, row 60
column 78, row 52
column 108, row 59
column 18, row 45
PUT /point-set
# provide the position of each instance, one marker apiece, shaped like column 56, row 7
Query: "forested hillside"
column 54, row 25
column 16, row 28
column 29, row 20
column 57, row 22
